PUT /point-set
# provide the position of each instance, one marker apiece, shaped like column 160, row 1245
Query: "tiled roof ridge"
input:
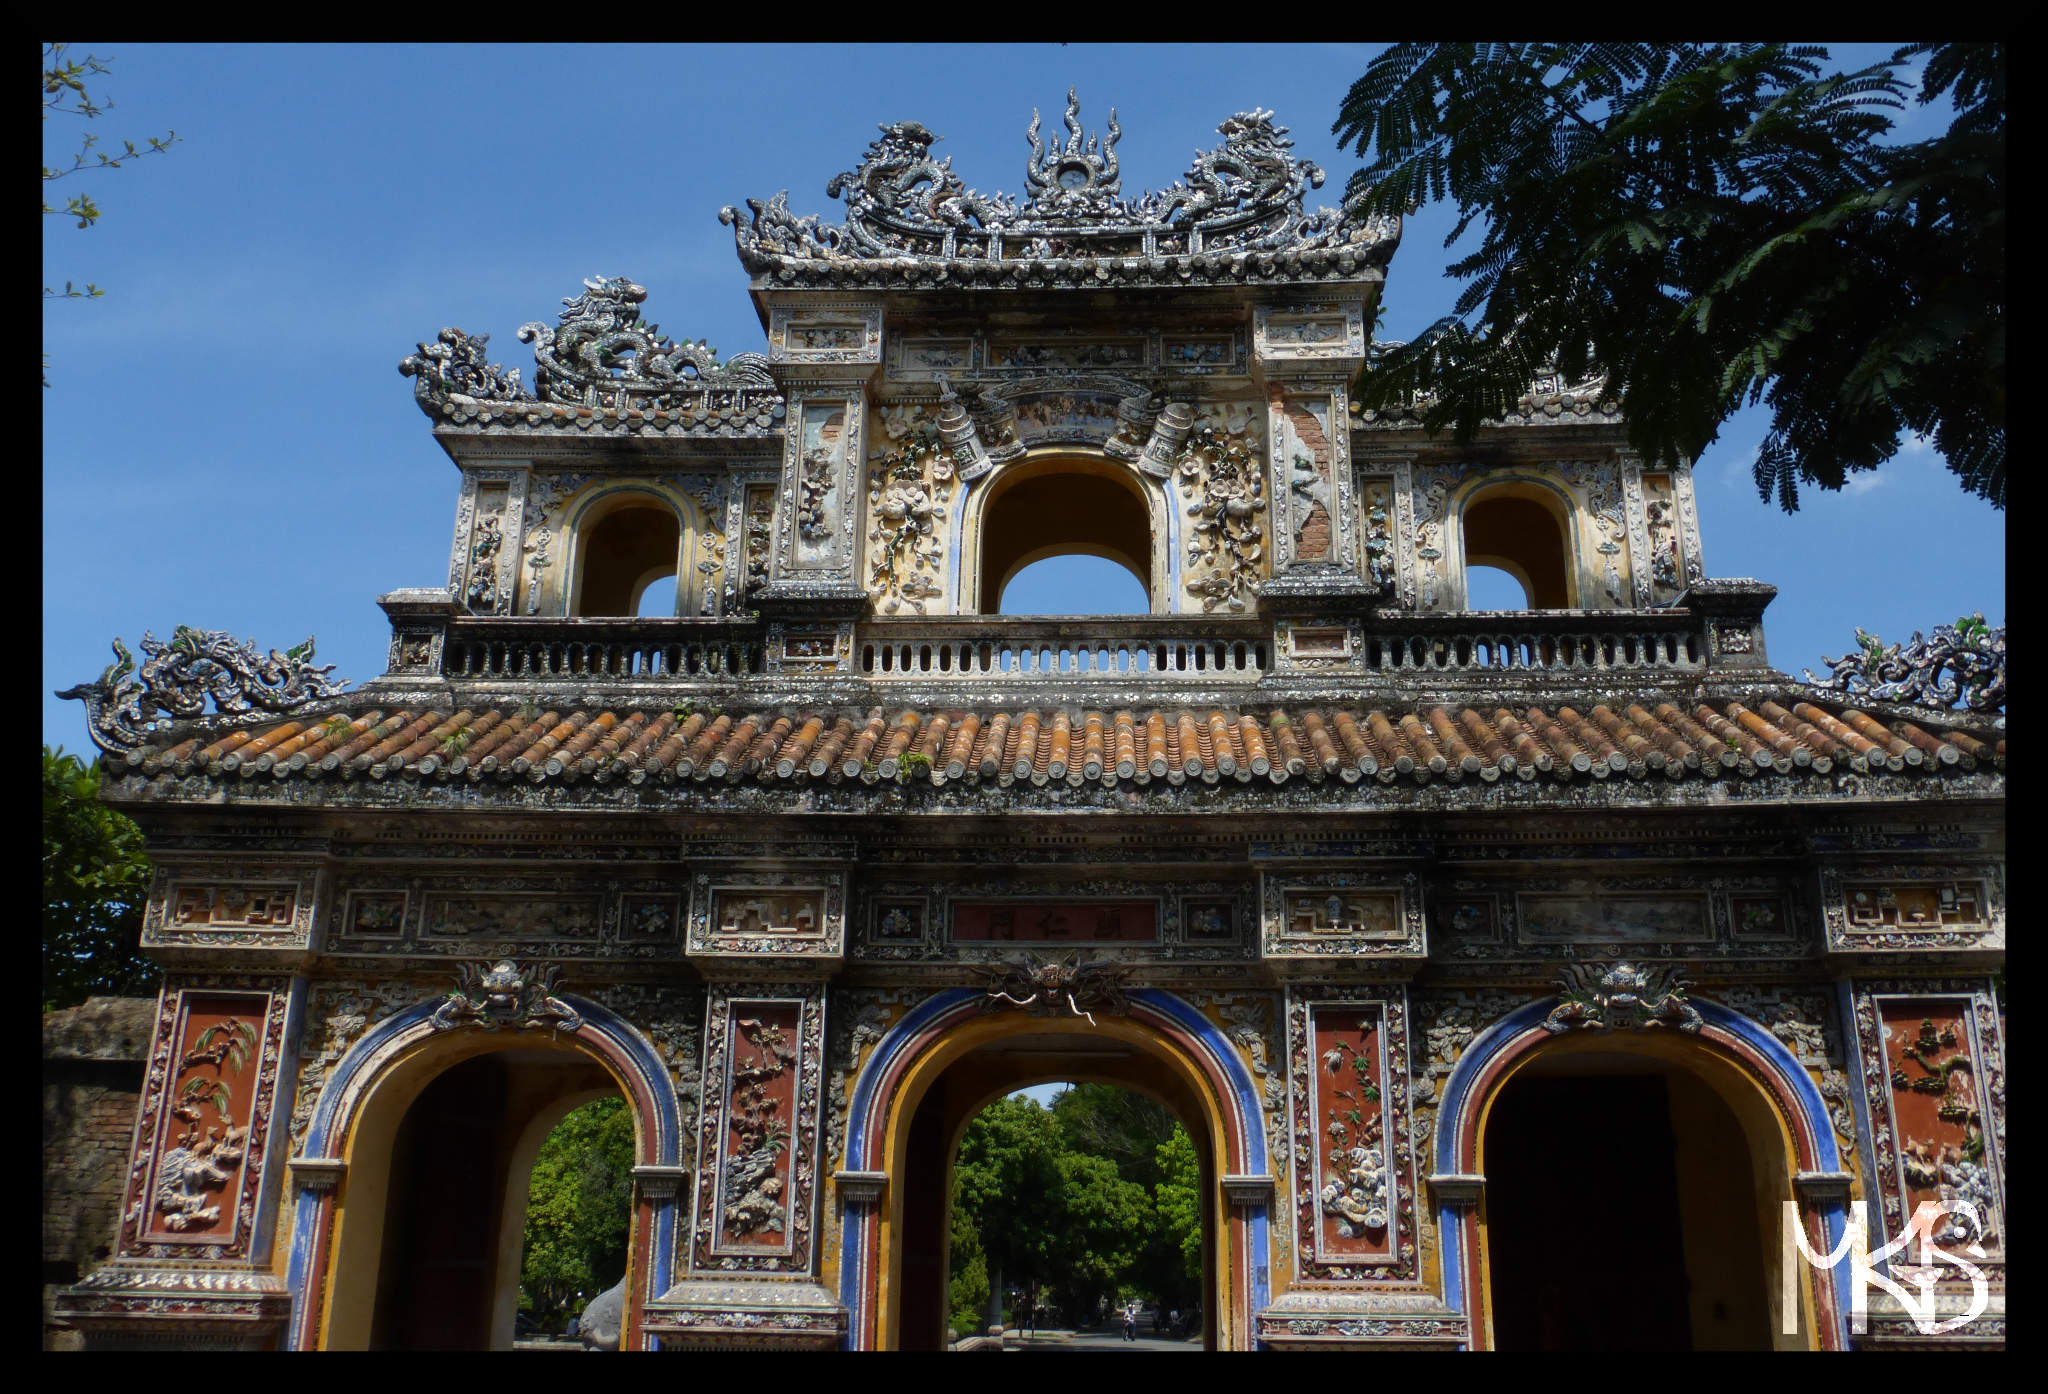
column 1075, row 743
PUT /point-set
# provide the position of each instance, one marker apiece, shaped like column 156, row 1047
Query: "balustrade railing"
column 618, row 650
column 1141, row 648
column 1614, row 642
column 1162, row 650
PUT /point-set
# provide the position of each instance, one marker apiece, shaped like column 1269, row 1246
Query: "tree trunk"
column 995, row 1292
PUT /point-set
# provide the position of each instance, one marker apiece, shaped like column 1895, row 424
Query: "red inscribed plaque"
column 1056, row 922
column 1354, row 1184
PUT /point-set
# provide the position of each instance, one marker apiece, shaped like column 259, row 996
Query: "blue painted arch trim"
column 362, row 1059
column 1791, row 1084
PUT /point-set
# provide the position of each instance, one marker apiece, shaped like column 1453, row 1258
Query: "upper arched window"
column 628, row 558
column 1059, row 507
column 1523, row 530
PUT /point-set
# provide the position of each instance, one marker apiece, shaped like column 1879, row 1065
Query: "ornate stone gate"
column 1320, row 851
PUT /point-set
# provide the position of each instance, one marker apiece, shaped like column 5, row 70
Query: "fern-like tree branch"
column 1711, row 226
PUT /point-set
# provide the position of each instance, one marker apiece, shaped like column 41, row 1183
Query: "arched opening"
column 1666, row 1159
column 1490, row 588
column 579, row 1212
column 428, row 1243
column 1058, row 506
column 1522, row 529
column 1075, row 584
column 627, row 560
column 981, row 1081
column 941, row 1064
column 1076, row 1210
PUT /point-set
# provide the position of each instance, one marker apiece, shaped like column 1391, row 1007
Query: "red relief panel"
column 755, row 1163
column 1937, row 1114
column 204, row 1139
column 1352, row 1217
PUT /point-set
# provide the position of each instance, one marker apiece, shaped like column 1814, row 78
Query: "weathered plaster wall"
column 92, row 1078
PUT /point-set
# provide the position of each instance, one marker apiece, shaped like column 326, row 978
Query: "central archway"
column 947, row 1058
column 998, row 1067
column 1063, row 503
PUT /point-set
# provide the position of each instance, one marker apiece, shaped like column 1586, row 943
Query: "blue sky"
column 227, row 441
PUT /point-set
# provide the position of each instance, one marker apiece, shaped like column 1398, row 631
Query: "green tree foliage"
column 1097, row 1196
column 967, row 1294
column 1713, row 225
column 1125, row 1126
column 578, row 1207
column 1104, row 1223
column 1007, row 1181
column 1178, row 1198
column 95, row 883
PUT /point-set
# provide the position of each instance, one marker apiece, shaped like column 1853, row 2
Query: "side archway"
column 1201, row 1065
column 632, row 546
column 344, row 1171
column 1784, row 1120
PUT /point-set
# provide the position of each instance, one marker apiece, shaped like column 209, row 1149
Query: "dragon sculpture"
column 124, row 709
column 1963, row 664
column 900, row 201
column 1624, row 996
column 602, row 353
column 1042, row 986
column 506, row 994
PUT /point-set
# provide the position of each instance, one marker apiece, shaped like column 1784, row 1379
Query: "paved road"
column 1094, row 1340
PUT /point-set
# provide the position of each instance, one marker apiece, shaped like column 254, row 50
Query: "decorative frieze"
column 1309, row 331
column 1315, row 916
column 839, row 334
column 253, row 905
column 794, row 917
column 1890, row 907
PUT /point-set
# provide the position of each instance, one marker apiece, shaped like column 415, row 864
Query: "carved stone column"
column 1733, row 612
column 419, row 635
column 191, row 1267
column 769, row 936
column 752, row 1262
column 824, row 351
column 483, row 563
column 1307, row 353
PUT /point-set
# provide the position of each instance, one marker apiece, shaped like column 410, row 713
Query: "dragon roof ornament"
column 1239, row 213
column 1963, row 664
column 602, row 355
column 125, row 711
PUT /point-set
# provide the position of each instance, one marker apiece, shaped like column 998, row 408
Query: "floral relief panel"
column 760, row 1141
column 201, row 1134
